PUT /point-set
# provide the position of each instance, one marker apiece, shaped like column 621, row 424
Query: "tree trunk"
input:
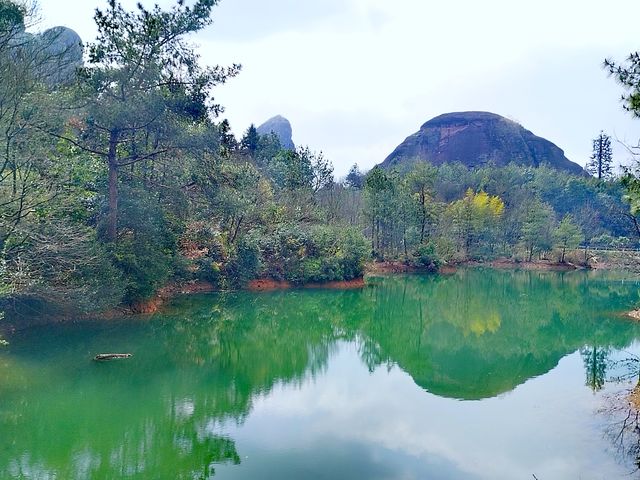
column 404, row 241
column 635, row 223
column 423, row 219
column 236, row 230
column 112, row 219
column 373, row 234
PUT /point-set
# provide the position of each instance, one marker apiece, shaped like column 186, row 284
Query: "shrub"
column 314, row 254
column 244, row 264
column 425, row 256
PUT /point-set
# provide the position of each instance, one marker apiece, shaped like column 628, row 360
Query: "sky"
column 356, row 77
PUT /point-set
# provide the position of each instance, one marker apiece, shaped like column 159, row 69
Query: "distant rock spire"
column 282, row 129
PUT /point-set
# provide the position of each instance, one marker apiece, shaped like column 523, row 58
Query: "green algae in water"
column 482, row 374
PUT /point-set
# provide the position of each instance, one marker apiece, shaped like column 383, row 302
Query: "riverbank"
column 268, row 284
column 615, row 260
column 392, row 267
column 170, row 291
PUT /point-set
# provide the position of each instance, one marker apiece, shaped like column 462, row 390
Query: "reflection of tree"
column 480, row 333
column 595, row 365
column 622, row 411
column 623, row 428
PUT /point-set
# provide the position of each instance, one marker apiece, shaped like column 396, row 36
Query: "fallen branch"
column 111, row 356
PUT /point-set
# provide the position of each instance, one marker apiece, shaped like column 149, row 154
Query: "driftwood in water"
column 111, row 356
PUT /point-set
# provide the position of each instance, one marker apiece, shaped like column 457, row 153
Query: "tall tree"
column 475, row 220
column 144, row 89
column 600, row 163
column 567, row 236
column 536, row 232
column 420, row 181
column 321, row 169
column 377, row 187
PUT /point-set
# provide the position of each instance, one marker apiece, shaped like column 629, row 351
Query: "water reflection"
column 199, row 369
column 481, row 333
column 595, row 366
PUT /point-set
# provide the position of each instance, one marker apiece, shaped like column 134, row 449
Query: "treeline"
column 118, row 177
column 449, row 213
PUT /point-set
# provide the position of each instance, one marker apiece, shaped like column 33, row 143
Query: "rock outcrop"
column 54, row 54
column 281, row 127
column 475, row 139
column 63, row 48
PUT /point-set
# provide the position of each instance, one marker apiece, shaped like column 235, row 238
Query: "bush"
column 145, row 252
column 244, row 265
column 314, row 254
column 425, row 256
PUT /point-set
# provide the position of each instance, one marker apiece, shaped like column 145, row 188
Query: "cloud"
column 251, row 20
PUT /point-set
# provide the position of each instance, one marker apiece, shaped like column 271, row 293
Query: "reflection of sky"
column 352, row 424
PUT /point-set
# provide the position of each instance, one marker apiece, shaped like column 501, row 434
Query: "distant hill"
column 282, row 128
column 477, row 138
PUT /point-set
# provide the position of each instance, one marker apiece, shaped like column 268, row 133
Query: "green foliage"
column 144, row 92
column 251, row 140
column 314, row 254
column 292, row 170
column 12, row 16
column 378, row 194
column 627, row 74
column 135, row 185
column 146, row 245
column 536, row 233
column 475, row 221
column 355, row 178
column 268, row 146
column 567, row 236
column 425, row 256
column 246, row 262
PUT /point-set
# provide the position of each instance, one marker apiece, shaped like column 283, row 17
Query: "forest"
column 120, row 175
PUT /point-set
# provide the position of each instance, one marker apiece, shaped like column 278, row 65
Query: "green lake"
column 482, row 374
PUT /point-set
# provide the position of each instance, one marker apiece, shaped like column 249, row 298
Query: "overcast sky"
column 355, row 77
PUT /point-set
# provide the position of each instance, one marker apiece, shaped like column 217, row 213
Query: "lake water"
column 482, row 375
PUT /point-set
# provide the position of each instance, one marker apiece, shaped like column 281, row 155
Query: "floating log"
column 111, row 356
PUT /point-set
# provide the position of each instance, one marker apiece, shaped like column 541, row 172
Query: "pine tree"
column 250, row 139
column 143, row 89
column 600, row 161
column 355, row 178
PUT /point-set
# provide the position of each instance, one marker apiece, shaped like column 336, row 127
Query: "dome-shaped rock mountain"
column 475, row 139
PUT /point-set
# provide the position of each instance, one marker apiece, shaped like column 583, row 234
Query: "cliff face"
column 282, row 128
column 477, row 138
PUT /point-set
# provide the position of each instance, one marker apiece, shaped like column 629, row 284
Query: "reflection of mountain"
column 481, row 333
column 198, row 369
